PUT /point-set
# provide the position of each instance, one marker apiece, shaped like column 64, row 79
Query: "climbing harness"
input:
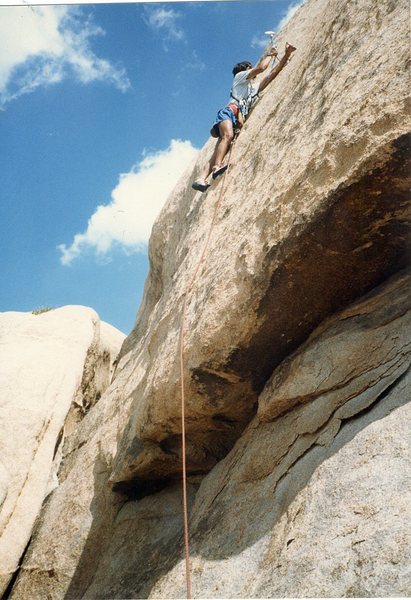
column 187, row 293
column 247, row 102
column 243, row 104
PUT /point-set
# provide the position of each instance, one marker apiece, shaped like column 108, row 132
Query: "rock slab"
column 314, row 216
column 315, row 213
column 54, row 364
column 311, row 502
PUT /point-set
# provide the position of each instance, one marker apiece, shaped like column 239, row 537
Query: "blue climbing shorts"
column 223, row 115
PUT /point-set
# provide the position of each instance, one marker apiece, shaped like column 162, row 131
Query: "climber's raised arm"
column 276, row 70
column 263, row 63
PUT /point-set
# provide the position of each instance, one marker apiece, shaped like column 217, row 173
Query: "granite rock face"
column 54, row 366
column 313, row 215
column 296, row 355
column 310, row 502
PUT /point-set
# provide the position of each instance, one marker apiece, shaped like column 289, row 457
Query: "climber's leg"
column 214, row 165
column 226, row 131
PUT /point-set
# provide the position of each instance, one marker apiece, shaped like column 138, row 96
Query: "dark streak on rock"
column 365, row 227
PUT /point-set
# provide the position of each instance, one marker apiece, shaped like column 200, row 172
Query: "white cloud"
column 259, row 41
column 289, row 14
column 165, row 22
column 136, row 202
column 42, row 45
column 195, row 62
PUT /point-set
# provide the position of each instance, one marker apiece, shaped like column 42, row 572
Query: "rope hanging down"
column 182, row 331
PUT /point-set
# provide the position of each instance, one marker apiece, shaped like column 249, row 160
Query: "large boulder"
column 310, row 502
column 312, row 216
column 55, row 365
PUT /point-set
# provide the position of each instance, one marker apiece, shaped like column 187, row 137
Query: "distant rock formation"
column 296, row 349
column 55, row 366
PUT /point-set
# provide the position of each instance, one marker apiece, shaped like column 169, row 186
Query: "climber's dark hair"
column 241, row 66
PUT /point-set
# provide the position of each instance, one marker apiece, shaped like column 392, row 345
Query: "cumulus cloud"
column 165, row 22
column 136, row 202
column 42, row 45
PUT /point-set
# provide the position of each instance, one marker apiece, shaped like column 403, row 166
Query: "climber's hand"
column 289, row 49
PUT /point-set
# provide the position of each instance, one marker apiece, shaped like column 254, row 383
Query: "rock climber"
column 244, row 93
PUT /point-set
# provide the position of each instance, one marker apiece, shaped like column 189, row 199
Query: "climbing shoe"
column 200, row 185
column 219, row 170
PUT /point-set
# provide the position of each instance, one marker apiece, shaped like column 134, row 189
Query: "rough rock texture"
column 313, row 215
column 52, row 363
column 297, row 447
column 310, row 501
column 4, row 483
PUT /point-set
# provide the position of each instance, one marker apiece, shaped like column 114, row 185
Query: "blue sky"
column 102, row 107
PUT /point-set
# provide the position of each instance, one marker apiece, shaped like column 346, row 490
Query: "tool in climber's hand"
column 272, row 35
